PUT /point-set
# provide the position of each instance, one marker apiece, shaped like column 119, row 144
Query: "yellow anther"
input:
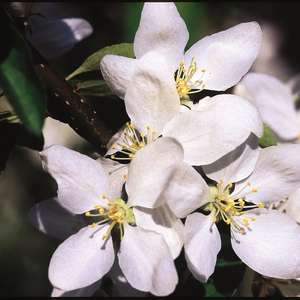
column 260, row 205
column 254, row 190
column 246, row 221
column 183, row 79
column 227, row 207
column 101, row 210
column 228, row 221
column 132, row 141
column 117, row 212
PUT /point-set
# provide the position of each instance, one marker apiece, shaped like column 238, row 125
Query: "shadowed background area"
column 25, row 252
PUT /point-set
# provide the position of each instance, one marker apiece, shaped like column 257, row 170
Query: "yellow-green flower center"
column 225, row 206
column 117, row 212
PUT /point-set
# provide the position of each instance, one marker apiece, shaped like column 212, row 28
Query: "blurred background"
column 25, row 252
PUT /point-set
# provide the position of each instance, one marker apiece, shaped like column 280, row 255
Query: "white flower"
column 266, row 240
column 149, row 241
column 54, row 35
column 216, row 62
column 53, row 38
column 219, row 125
column 291, row 205
column 275, row 102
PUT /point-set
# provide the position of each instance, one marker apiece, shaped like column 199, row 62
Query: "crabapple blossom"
column 216, row 127
column 261, row 238
column 84, row 187
column 216, row 62
column 275, row 102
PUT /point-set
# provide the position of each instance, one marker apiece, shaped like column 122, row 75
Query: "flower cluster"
column 178, row 168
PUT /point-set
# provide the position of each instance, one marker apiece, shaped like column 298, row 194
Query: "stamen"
column 184, row 83
column 117, row 212
column 132, row 141
column 226, row 207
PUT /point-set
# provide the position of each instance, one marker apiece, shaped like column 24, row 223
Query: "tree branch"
column 78, row 111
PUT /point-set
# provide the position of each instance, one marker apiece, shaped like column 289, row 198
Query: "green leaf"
column 197, row 17
column 96, row 88
column 210, row 290
column 93, row 61
column 14, row 132
column 131, row 19
column 18, row 79
column 268, row 139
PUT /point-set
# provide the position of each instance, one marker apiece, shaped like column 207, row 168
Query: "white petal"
column 294, row 86
column 82, row 259
column 164, row 222
column 202, row 243
column 80, row 179
column 276, row 174
column 208, row 134
column 274, row 101
column 237, row 164
column 161, row 28
column 150, row 171
column 56, row 132
column 151, row 98
column 202, row 104
column 55, row 37
column 292, row 206
column 52, row 219
column 225, row 56
column 117, row 72
column 83, row 292
column 146, row 261
column 116, row 174
column 186, row 192
column 112, row 144
column 121, row 287
column 81, row 28
column 272, row 246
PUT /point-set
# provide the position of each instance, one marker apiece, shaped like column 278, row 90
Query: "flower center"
column 117, row 213
column 132, row 141
column 184, row 83
column 225, row 207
